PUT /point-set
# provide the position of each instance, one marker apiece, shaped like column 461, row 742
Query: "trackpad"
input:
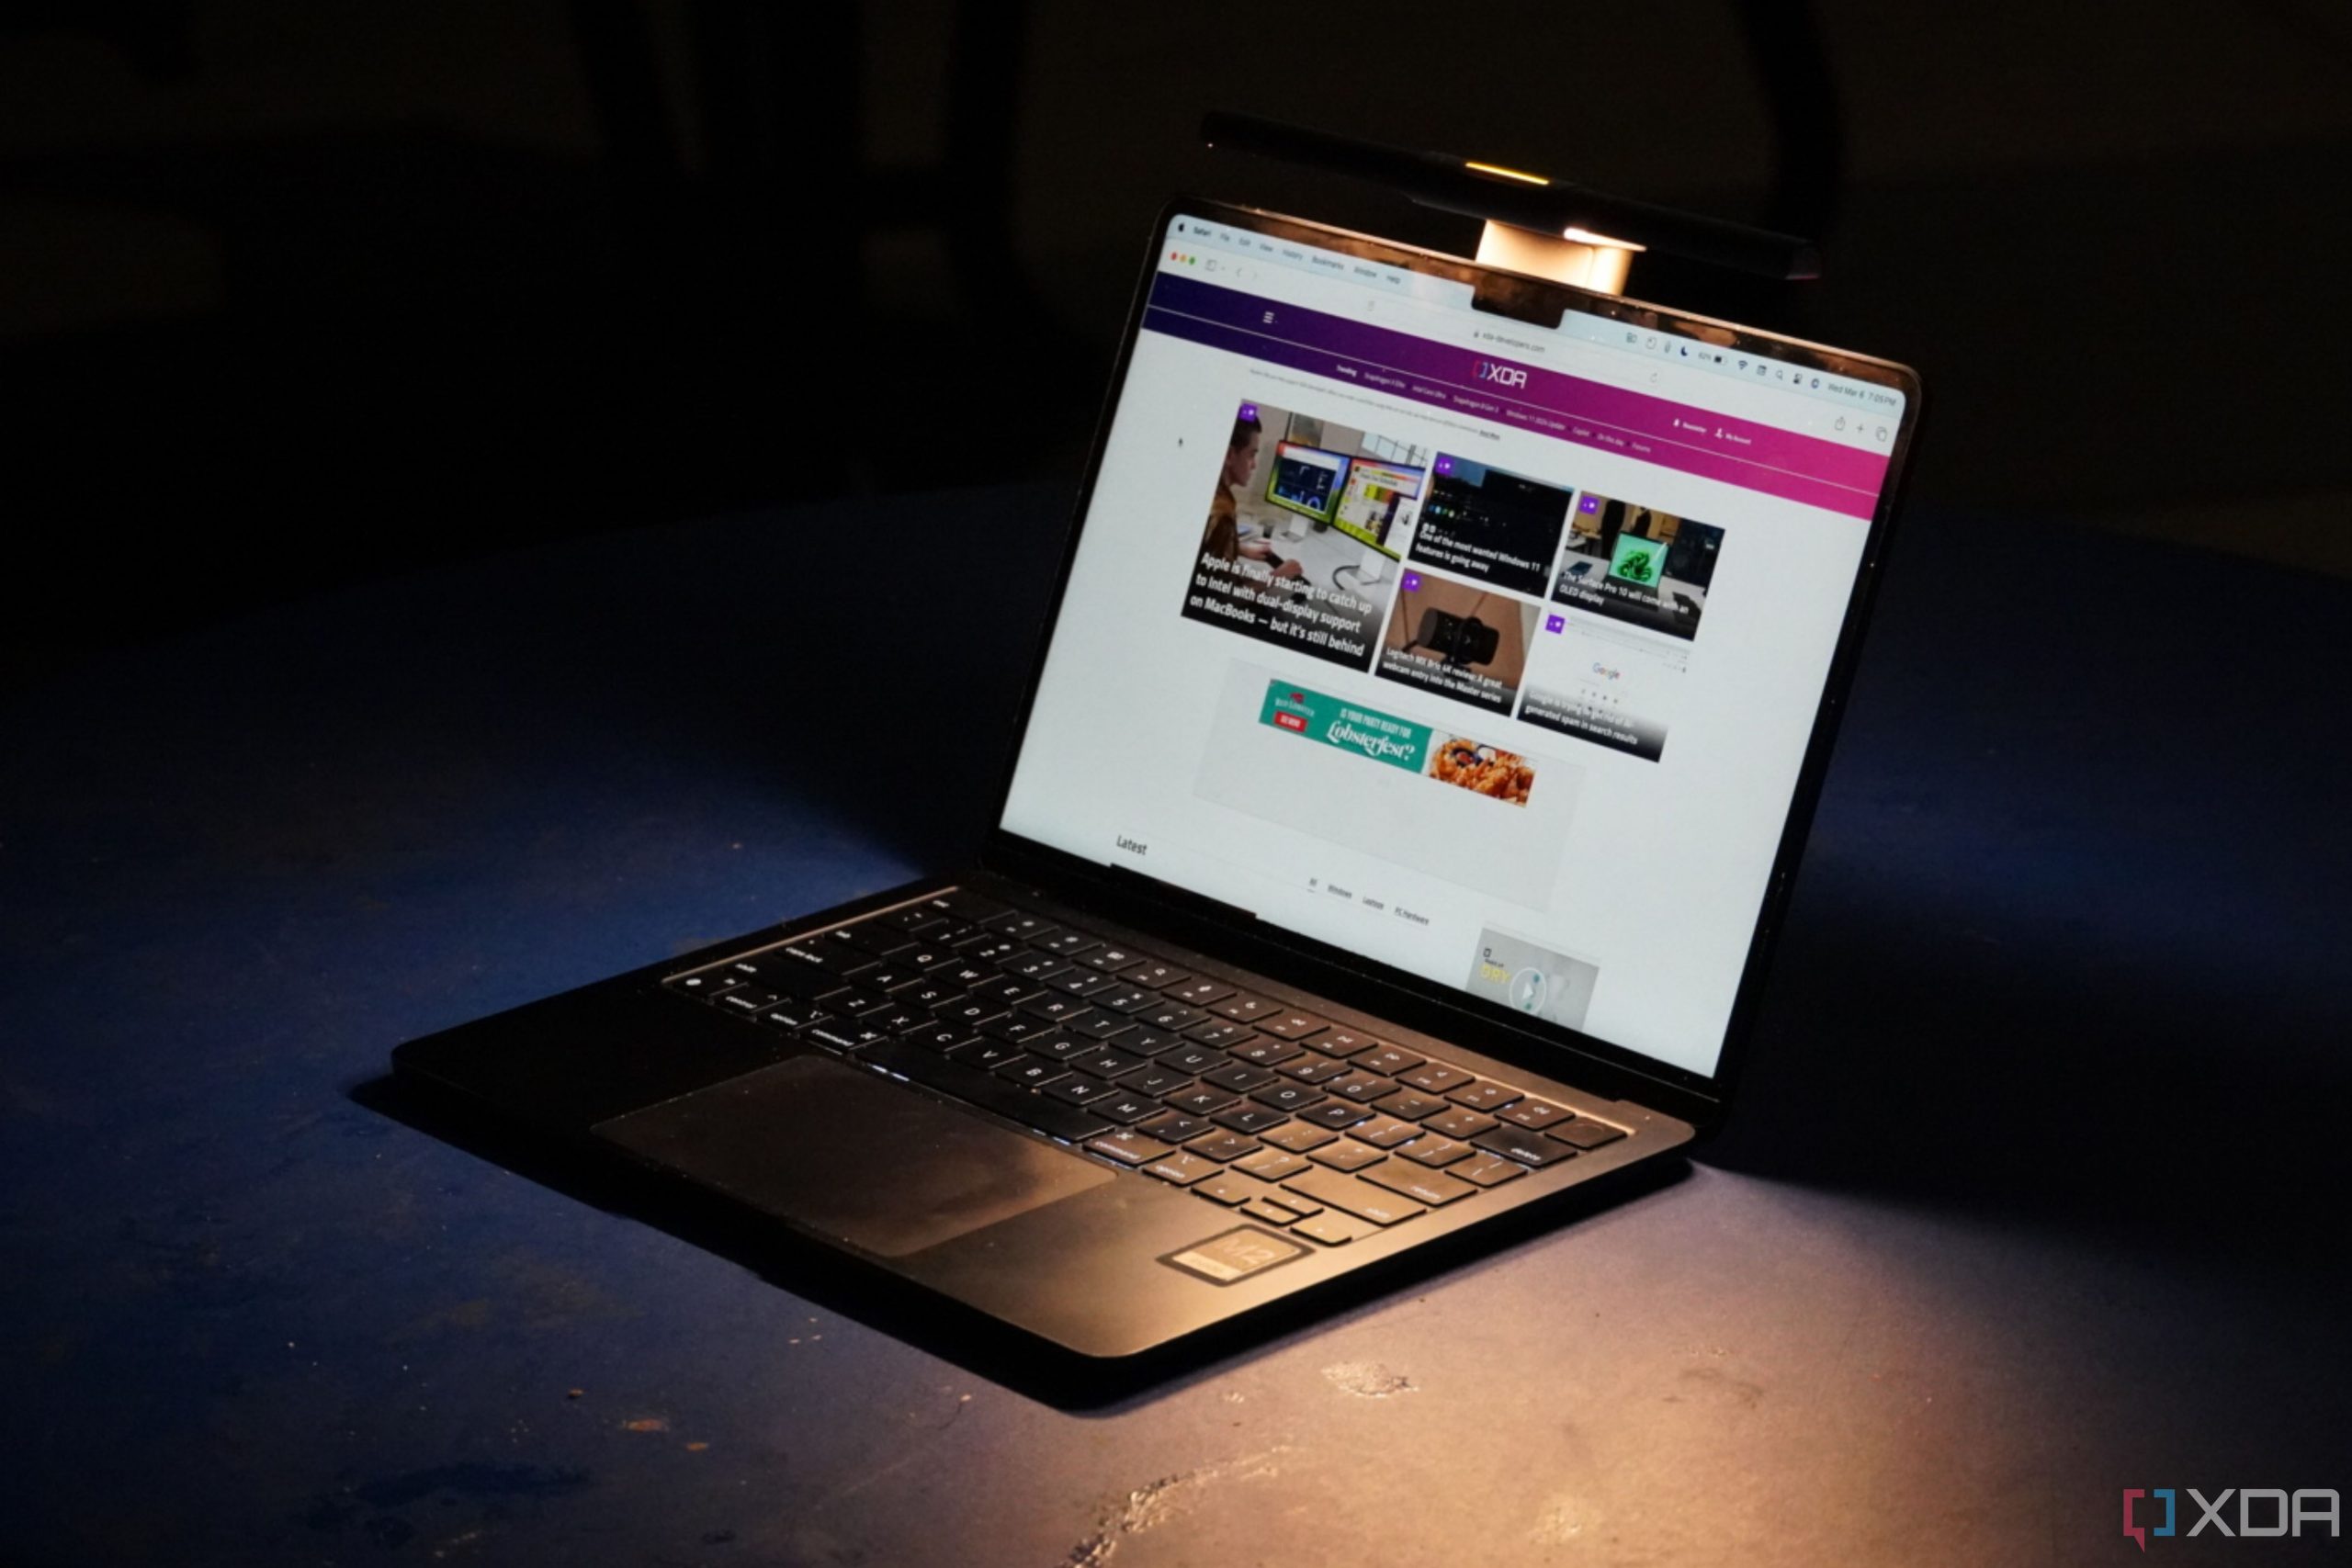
column 848, row 1154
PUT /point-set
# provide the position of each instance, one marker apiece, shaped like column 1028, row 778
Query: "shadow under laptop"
column 2136, row 1105
column 985, row 1347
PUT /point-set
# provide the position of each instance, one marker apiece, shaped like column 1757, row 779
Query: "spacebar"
column 1050, row 1117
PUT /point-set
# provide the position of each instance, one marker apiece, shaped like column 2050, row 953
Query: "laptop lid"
column 1473, row 637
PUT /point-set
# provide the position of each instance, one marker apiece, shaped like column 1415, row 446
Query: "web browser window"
column 1483, row 649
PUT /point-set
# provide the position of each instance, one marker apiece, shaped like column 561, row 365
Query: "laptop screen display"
column 1486, row 649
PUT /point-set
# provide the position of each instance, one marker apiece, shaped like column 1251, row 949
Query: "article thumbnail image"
column 1482, row 770
column 1304, row 521
column 1457, row 639
column 1490, row 527
column 1636, row 564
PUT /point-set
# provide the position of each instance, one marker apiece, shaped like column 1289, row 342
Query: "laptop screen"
column 1483, row 648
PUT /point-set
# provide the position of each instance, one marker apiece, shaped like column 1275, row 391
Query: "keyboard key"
column 1055, row 1009
column 1313, row 1069
column 1098, row 1025
column 972, row 1011
column 913, row 918
column 1174, row 1127
column 852, row 1002
column 1060, row 1044
column 1353, row 1195
column 792, row 1013
column 1459, row 1124
column 1335, row 1115
column 1080, row 981
column 983, row 1054
column 1032, row 1072
column 967, row 905
column 1183, row 1169
column 745, row 999
column 1199, row 991
column 1137, row 1041
column 1222, row 1146
column 986, row 947
column 1299, row 1207
column 1485, row 1095
column 1288, row 1096
column 1230, row 1190
column 898, row 1020
column 940, row 1037
column 1267, row 1212
column 1018, row 922
column 1291, row 1026
column 1271, row 1165
column 1105, row 1062
column 1067, row 944
column 1245, row 1007
column 1172, row 1017
column 1343, row 1042
column 1200, row 1100
column 1076, row 1089
column 1219, row 1031
column 1265, row 1050
column 842, row 1034
column 1015, row 1028
column 1124, row 1000
column 1435, row 1078
column 1239, row 1077
column 1487, row 1170
column 1347, row 1155
column 1586, row 1134
column 1034, row 966
column 1300, row 1136
column 1434, row 1151
column 956, row 972
column 1009, row 1101
column 1332, row 1230
column 1384, row 1132
column 1192, row 1059
column 1154, row 976
column 1431, row 1187
column 1535, row 1149
column 881, row 941
column 1004, row 989
column 1111, row 959
column 1154, row 1079
column 1534, row 1114
column 1125, row 1106
column 887, row 976
column 1410, row 1105
column 1388, row 1061
column 1248, row 1118
column 1362, row 1086
column 927, row 993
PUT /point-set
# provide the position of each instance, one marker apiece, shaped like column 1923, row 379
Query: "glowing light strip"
column 1498, row 171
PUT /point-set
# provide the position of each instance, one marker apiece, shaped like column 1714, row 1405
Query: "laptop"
column 1367, row 884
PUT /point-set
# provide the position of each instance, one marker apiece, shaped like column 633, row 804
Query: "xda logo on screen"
column 2261, row 1511
column 1501, row 375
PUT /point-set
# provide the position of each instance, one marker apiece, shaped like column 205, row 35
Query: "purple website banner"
column 1673, row 435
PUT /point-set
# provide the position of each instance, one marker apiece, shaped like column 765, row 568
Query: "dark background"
column 298, row 294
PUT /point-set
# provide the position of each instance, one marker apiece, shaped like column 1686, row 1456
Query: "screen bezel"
column 1221, row 930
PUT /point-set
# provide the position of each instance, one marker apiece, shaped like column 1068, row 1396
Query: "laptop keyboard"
column 1288, row 1118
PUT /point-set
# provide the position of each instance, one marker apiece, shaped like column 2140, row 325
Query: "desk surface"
column 2028, row 1202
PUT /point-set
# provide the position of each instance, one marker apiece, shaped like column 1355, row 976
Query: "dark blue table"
column 2032, row 1197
